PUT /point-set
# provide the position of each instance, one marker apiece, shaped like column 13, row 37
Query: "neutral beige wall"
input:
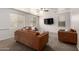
column 75, row 23
column 5, row 21
column 54, row 27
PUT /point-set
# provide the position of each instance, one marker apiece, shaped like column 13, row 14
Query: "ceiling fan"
column 44, row 9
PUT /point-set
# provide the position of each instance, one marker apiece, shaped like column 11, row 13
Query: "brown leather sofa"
column 31, row 38
column 68, row 36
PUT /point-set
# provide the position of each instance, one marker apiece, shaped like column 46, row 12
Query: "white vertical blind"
column 17, row 21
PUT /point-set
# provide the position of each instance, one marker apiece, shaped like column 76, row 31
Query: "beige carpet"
column 53, row 45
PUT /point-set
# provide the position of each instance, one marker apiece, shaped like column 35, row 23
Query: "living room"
column 13, row 19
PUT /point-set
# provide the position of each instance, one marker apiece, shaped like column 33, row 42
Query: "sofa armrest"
column 43, row 38
column 43, row 34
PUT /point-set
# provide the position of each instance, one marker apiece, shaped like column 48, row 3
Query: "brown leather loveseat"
column 68, row 36
column 31, row 38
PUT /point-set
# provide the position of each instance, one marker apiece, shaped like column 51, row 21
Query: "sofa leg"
column 16, row 41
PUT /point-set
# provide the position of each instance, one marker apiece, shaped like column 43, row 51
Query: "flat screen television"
column 48, row 21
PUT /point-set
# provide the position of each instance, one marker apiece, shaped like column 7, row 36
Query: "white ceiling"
column 39, row 11
column 29, row 10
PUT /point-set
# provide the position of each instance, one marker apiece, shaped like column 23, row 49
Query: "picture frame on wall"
column 61, row 23
column 62, row 20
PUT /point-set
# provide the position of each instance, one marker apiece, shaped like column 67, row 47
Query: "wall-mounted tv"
column 49, row 21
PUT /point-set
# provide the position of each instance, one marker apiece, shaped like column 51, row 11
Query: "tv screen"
column 48, row 21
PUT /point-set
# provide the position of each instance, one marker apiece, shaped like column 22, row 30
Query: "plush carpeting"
column 53, row 45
